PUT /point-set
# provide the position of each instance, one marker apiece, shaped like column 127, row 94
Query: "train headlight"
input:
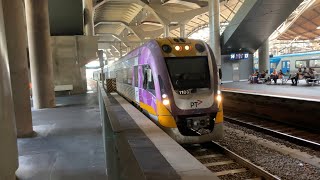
column 164, row 96
column 219, row 92
column 178, row 48
column 166, row 102
column 187, row 48
column 219, row 98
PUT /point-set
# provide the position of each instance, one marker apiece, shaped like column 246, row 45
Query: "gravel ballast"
column 281, row 165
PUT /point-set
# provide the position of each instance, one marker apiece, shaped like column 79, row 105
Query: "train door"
column 236, row 71
column 285, row 66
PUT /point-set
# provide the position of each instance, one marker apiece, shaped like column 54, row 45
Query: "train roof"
column 296, row 54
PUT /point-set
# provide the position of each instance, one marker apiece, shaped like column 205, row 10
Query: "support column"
column 182, row 30
column 8, row 136
column 100, row 56
column 14, row 20
column 38, row 29
column 166, row 31
column 88, row 27
column 264, row 57
column 214, row 25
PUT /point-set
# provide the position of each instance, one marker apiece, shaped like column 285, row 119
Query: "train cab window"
column 189, row 72
column 273, row 65
column 148, row 82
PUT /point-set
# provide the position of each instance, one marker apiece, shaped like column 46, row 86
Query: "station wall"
column 70, row 55
column 229, row 72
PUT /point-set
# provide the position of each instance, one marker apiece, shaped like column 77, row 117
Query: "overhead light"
column 151, row 23
column 174, row 23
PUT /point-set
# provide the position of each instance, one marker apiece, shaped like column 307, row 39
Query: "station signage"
column 239, row 56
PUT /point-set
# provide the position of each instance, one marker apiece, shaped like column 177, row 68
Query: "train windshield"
column 189, row 72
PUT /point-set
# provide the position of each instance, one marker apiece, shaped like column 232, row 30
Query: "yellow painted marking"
column 164, row 116
column 219, row 163
column 209, row 156
column 219, row 116
column 148, row 108
column 233, row 171
column 167, row 121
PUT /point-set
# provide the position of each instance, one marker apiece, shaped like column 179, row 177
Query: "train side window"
column 162, row 90
column 301, row 64
column 314, row 63
column 148, row 82
column 136, row 80
column 129, row 73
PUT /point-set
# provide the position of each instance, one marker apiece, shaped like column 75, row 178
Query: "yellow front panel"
column 165, row 117
column 219, row 116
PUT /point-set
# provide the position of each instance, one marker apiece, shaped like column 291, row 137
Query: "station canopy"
column 124, row 24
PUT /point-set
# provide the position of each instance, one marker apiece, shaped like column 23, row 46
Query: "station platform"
column 141, row 149
column 73, row 141
column 301, row 92
column 68, row 144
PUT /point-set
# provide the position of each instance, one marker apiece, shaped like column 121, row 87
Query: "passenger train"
column 291, row 62
column 175, row 82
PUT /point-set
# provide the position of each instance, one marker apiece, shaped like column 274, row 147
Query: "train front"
column 191, row 105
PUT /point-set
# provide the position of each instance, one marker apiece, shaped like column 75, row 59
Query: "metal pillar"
column 14, row 20
column 38, row 29
column 214, row 24
column 166, row 31
column 264, row 56
column 8, row 139
column 182, row 30
column 88, row 26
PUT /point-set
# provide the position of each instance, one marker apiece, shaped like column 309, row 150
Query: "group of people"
column 306, row 73
column 275, row 75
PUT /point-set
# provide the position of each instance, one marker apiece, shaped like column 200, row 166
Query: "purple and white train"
column 175, row 82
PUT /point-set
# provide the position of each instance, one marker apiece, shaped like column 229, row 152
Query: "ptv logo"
column 195, row 104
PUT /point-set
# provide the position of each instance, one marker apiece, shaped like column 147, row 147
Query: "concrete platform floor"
column 302, row 91
column 69, row 143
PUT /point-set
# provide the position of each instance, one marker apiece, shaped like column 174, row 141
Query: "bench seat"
column 67, row 87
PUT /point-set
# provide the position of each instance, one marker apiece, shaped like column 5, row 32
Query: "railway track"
column 226, row 164
column 306, row 138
